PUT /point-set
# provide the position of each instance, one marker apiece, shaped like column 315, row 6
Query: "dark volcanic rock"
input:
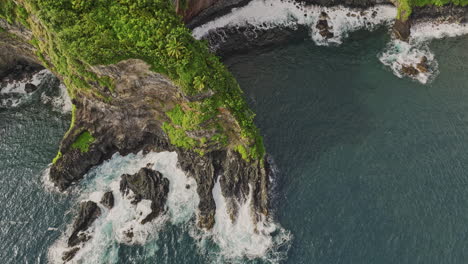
column 89, row 212
column 199, row 12
column 108, row 200
column 448, row 13
column 147, row 184
column 402, row 29
column 29, row 88
column 70, row 254
column 350, row 3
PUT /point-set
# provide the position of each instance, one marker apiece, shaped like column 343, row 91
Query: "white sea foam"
column 399, row 53
column 243, row 238
column 61, row 102
column 109, row 230
column 266, row 14
column 13, row 93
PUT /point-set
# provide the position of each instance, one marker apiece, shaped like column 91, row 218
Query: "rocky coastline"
column 132, row 121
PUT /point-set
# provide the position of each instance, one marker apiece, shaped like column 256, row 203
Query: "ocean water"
column 371, row 167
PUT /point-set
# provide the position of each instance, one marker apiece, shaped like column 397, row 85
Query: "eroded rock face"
column 150, row 185
column 437, row 14
column 89, row 211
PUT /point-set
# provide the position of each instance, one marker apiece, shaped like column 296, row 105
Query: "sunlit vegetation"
column 75, row 34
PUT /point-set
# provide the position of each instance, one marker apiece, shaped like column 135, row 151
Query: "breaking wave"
column 399, row 54
column 227, row 241
column 242, row 240
column 267, row 14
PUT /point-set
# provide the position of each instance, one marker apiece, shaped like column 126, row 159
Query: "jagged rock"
column 89, row 212
column 150, row 185
column 409, row 70
column 402, row 29
column 70, row 254
column 323, row 27
column 29, row 87
column 423, row 66
column 108, row 200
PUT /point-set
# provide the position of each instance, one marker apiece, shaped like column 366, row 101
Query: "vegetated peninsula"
column 139, row 81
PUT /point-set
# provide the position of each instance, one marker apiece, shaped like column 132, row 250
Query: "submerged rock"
column 150, row 185
column 108, row 200
column 89, row 212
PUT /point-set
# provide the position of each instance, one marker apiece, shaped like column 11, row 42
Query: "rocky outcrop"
column 150, row 185
column 323, row 27
column 89, row 211
column 402, row 29
column 108, row 200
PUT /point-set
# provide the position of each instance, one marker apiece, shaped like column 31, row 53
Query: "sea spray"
column 400, row 54
column 268, row 14
column 109, row 230
column 14, row 93
column 235, row 242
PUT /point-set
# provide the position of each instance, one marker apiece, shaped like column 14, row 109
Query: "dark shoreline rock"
column 108, row 200
column 150, row 185
column 89, row 211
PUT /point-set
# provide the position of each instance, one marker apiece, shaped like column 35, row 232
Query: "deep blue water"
column 373, row 168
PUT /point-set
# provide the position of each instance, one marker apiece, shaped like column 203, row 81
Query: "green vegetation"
column 82, row 142
column 73, row 35
column 59, row 155
column 405, row 6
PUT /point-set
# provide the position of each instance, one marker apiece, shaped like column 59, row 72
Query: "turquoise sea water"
column 372, row 168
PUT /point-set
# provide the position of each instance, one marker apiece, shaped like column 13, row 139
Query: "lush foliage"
column 83, row 142
column 75, row 34
column 405, row 6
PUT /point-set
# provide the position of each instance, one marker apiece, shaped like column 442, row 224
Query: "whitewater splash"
column 14, row 93
column 400, row 54
column 268, row 14
column 243, row 239
column 227, row 241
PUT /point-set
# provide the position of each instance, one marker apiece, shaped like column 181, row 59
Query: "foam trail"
column 266, row 14
column 109, row 229
column 243, row 239
column 399, row 53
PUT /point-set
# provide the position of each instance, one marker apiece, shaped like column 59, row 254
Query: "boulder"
column 150, row 185
column 89, row 212
column 108, row 200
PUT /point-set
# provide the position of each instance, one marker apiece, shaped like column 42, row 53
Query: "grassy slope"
column 75, row 34
column 405, row 6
